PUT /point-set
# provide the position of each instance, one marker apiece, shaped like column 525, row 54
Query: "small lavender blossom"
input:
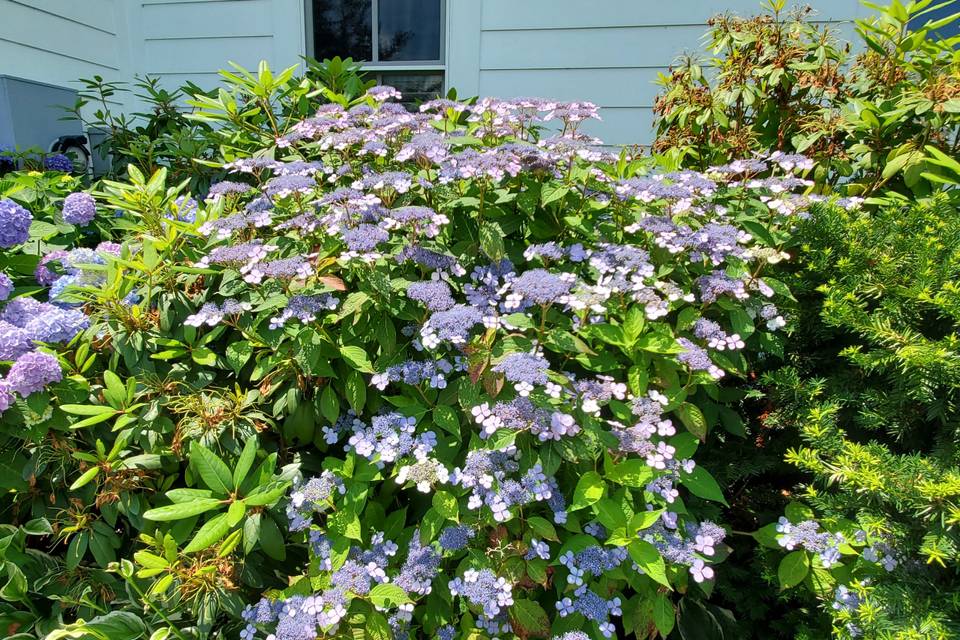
column 537, row 549
column 79, row 208
column 716, row 337
column 14, row 224
column 211, row 314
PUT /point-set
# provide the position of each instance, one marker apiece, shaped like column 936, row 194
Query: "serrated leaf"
column 590, row 488
column 387, row 595
column 793, row 569
column 357, row 358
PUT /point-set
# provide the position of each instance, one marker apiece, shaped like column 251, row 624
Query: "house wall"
column 190, row 40
column 60, row 41
column 606, row 51
column 609, row 52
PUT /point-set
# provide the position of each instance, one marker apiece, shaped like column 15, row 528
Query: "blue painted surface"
column 605, row 51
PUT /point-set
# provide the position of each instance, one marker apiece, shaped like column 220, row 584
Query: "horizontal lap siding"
column 59, row 41
column 191, row 40
column 609, row 52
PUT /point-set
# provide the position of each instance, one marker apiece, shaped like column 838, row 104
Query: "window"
column 400, row 42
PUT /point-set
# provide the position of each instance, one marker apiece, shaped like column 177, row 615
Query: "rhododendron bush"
column 440, row 373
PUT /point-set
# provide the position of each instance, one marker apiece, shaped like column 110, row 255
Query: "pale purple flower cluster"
column 592, row 607
column 312, row 497
column 483, row 589
column 415, row 372
column 452, row 325
column 79, row 208
column 58, row 162
column 288, row 185
column 698, row 359
column 488, row 474
column 537, row 287
column 212, row 314
column 25, row 321
column 525, row 370
column 14, row 224
column 592, row 561
column 304, row 308
column 388, row 438
column 716, row 337
column 807, row 535
column 226, row 188
column 433, row 294
column 521, row 414
column 456, row 537
column 32, row 372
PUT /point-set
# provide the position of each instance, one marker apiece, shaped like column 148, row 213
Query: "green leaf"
column 702, row 484
column 630, row 473
column 530, row 617
column 237, row 354
column 664, row 615
column 15, row 588
column 793, row 569
column 356, row 388
column 589, row 490
column 387, row 595
column 610, row 514
column 214, row 472
column 357, row 358
column 446, row 418
column 76, row 550
column 204, row 356
column 87, row 409
column 114, row 390
column 446, row 505
column 271, row 540
column 329, row 405
column 84, row 479
column 543, row 528
column 245, row 462
column 692, row 418
column 650, row 560
column 550, row 192
column 183, row 510
column 491, row 241
column 209, row 534
column 236, row 512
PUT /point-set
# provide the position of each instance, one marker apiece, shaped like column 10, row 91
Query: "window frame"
column 376, row 66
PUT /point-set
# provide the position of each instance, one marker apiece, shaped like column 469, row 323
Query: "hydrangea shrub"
column 485, row 348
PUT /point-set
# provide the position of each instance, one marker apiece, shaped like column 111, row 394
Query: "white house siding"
column 59, row 41
column 190, row 40
column 605, row 51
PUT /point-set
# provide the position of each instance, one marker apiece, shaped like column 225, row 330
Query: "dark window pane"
column 415, row 87
column 342, row 28
column 409, row 30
